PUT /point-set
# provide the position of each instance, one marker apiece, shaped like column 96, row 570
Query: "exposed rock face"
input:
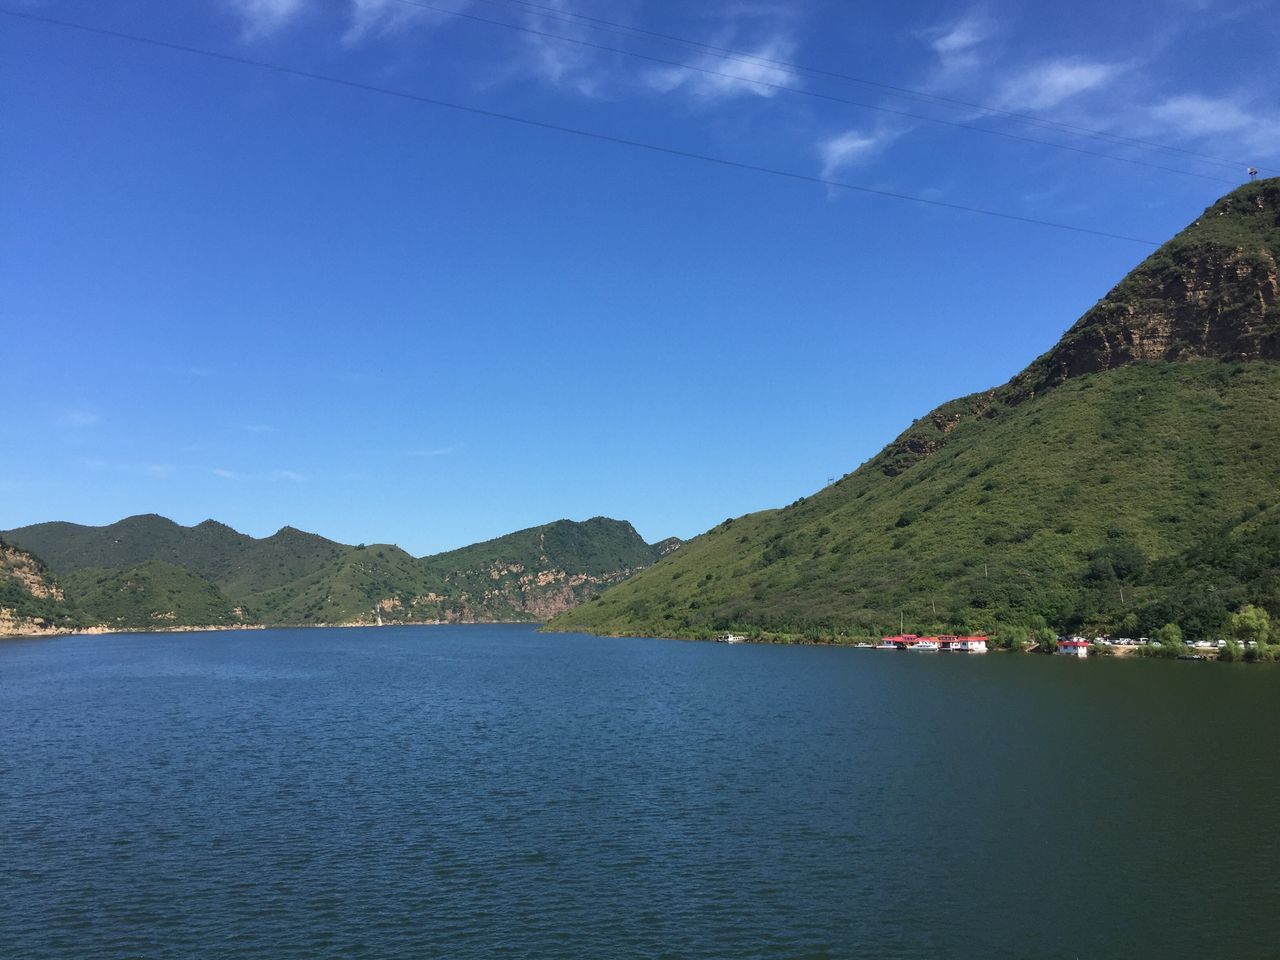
column 29, row 574
column 31, row 601
column 1213, row 291
column 509, row 593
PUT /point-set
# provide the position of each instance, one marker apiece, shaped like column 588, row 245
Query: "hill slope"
column 1071, row 493
column 150, row 571
column 31, row 599
column 527, row 575
column 152, row 594
column 237, row 563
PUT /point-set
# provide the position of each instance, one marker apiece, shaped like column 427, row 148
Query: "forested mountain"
column 148, row 571
column 1125, row 479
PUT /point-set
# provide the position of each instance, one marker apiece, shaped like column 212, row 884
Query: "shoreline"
column 99, row 630
column 1110, row 652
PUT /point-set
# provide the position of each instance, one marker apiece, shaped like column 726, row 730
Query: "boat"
column 926, row 646
column 731, row 638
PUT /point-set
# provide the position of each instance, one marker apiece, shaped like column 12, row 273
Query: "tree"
column 1170, row 635
column 1251, row 623
column 1047, row 639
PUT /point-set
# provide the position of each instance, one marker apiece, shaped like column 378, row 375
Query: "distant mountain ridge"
column 148, row 571
column 1117, row 483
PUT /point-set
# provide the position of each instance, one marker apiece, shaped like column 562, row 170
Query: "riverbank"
column 17, row 630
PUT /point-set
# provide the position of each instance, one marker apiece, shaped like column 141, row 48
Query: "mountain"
column 31, row 599
column 149, row 571
column 1113, row 484
column 151, row 594
column 237, row 563
column 528, row 575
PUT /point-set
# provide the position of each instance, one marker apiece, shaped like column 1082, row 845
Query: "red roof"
column 945, row 638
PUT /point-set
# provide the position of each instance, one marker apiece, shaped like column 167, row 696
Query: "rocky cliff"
column 1211, row 291
column 31, row 600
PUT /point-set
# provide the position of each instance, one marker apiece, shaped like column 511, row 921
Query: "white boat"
column 731, row 638
column 927, row 646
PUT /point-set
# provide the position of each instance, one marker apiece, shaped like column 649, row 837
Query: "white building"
column 1075, row 647
column 964, row 644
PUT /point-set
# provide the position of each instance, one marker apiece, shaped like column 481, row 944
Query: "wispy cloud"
column 757, row 72
column 259, row 428
column 80, row 418
column 158, row 470
column 956, row 43
column 563, row 63
column 264, row 17
column 1197, row 116
column 381, row 18
column 850, row 148
column 1191, row 117
column 1051, row 83
column 432, row 451
column 273, row 476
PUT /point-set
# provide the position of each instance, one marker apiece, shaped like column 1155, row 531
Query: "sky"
column 270, row 299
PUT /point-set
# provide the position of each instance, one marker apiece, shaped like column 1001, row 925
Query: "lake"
column 490, row 791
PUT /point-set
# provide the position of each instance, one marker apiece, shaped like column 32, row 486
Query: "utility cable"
column 560, row 128
column 800, row 91
column 744, row 57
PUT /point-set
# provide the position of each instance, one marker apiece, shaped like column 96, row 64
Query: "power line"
column 766, row 84
column 560, row 128
column 742, row 56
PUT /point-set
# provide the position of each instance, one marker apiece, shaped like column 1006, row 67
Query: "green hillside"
column 31, row 598
column 236, row 563
column 152, row 594
column 528, row 575
column 127, row 573
column 1111, row 485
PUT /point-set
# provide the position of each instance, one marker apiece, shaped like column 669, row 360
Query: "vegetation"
column 153, row 594
column 148, row 571
column 1123, row 482
column 31, row 595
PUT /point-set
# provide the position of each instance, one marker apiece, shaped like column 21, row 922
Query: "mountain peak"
column 1211, row 291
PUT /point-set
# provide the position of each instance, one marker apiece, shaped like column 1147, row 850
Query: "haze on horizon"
column 234, row 294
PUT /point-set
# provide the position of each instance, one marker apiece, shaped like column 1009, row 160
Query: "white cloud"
column 1196, row 116
column 291, row 475
column 956, row 43
column 847, row 149
column 562, row 63
column 714, row 78
column 1053, row 82
column 376, row 18
column 1230, row 120
column 262, row 17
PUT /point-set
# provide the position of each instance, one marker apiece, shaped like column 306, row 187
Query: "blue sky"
column 230, row 293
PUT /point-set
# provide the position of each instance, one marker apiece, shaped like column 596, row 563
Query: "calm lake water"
column 478, row 792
